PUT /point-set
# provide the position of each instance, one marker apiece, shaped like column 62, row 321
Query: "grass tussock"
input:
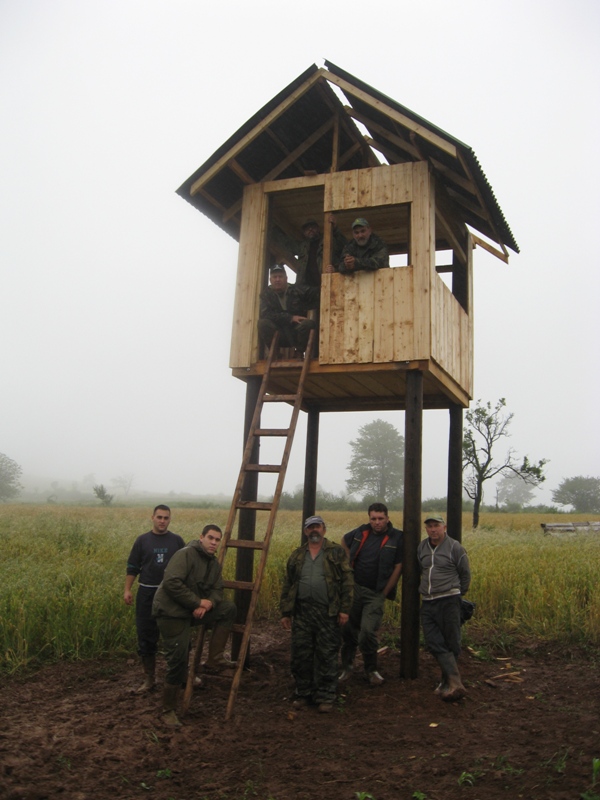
column 61, row 596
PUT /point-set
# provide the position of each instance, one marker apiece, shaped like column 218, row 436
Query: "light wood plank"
column 383, row 308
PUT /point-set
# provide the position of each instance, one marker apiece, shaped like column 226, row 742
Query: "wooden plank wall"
column 368, row 317
column 251, row 258
column 451, row 335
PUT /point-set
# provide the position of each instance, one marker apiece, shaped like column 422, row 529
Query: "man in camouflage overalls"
column 315, row 602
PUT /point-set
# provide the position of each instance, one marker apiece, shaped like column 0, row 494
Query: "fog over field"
column 118, row 295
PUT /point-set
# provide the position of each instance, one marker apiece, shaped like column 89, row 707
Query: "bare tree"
column 485, row 427
column 124, row 482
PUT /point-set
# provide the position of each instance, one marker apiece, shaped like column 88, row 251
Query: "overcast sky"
column 118, row 295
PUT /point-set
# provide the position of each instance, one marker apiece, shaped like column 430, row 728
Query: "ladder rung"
column 238, row 627
column 253, row 504
column 279, row 398
column 247, row 585
column 250, row 544
column 271, row 431
column 263, row 467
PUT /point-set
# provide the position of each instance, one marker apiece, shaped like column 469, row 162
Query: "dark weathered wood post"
column 409, row 631
column 244, row 564
column 455, row 484
column 309, row 502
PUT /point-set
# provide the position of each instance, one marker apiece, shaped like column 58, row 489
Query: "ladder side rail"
column 268, row 533
column 247, row 451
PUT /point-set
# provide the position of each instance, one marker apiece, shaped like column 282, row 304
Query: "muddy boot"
column 149, row 665
column 170, row 695
column 455, row 689
column 216, row 661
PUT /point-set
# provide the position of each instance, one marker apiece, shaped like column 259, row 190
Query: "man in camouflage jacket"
column 315, row 602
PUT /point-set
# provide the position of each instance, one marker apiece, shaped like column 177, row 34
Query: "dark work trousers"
column 362, row 626
column 441, row 625
column 145, row 624
column 316, row 639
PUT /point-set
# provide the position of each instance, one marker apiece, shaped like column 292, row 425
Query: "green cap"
column 435, row 518
column 361, row 222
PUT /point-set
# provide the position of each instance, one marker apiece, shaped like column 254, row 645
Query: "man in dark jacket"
column 445, row 577
column 191, row 593
column 308, row 250
column 366, row 251
column 147, row 561
column 375, row 554
column 315, row 600
column 284, row 307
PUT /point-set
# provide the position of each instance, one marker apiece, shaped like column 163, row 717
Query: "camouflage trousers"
column 316, row 639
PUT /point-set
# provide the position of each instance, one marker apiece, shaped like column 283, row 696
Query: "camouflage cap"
column 435, row 518
column 360, row 222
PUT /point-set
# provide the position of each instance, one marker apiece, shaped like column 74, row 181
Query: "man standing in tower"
column 308, row 250
column 366, row 251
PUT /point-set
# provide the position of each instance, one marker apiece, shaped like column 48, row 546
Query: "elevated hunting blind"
column 398, row 338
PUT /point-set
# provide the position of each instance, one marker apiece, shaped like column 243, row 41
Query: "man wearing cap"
column 445, row 576
column 315, row 600
column 375, row 554
column 308, row 251
column 284, row 308
column 366, row 251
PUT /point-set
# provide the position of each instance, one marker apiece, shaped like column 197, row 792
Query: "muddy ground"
column 529, row 728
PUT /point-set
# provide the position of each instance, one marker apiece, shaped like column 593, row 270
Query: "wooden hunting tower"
column 399, row 338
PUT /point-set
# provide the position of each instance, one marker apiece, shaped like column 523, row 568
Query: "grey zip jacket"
column 444, row 569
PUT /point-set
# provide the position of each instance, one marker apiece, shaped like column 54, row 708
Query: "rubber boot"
column 170, row 695
column 149, row 665
column 455, row 689
column 216, row 661
column 442, row 686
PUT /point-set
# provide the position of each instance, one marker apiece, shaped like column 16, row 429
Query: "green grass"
column 61, row 596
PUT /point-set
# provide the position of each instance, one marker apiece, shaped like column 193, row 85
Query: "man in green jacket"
column 308, row 250
column 315, row 601
column 191, row 593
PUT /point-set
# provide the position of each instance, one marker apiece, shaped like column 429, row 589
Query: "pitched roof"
column 293, row 136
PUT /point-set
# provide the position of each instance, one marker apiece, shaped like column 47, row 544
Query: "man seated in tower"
column 366, row 251
column 308, row 250
column 284, row 307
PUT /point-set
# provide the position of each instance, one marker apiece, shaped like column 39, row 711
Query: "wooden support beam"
column 309, row 503
column 413, row 465
column 391, row 137
column 455, row 482
column 503, row 256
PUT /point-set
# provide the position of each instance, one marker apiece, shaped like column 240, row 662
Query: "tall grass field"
column 61, row 594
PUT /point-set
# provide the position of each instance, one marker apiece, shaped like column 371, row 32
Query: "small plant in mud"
column 364, row 796
column 418, row 796
column 164, row 773
column 558, row 762
column 469, row 778
column 591, row 794
column 501, row 765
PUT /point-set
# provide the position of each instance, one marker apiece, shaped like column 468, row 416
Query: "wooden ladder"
column 272, row 507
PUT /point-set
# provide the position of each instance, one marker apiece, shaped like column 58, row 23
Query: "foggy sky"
column 118, row 295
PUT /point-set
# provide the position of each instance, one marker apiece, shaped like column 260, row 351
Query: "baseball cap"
column 277, row 268
column 313, row 521
column 360, row 222
column 310, row 222
column 435, row 518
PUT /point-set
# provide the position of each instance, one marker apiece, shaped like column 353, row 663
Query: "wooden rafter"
column 392, row 113
column 374, row 127
column 488, row 216
column 256, row 131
